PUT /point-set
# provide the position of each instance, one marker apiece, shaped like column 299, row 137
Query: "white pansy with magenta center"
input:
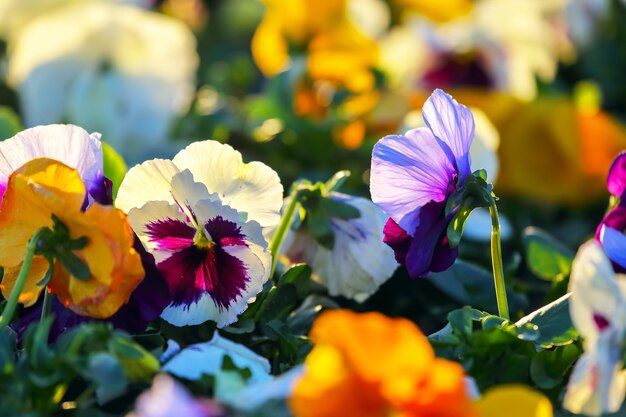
column 201, row 215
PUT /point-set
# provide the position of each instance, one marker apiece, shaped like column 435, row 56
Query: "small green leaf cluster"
column 538, row 350
column 89, row 365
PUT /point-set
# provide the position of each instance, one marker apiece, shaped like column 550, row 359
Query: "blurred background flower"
column 107, row 67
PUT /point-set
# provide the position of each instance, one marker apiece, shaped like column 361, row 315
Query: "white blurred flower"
column 112, row 68
column 208, row 359
column 359, row 262
column 16, row 14
column 598, row 310
column 502, row 44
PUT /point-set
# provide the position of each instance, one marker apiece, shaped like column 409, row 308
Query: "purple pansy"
column 201, row 216
column 610, row 232
column 412, row 177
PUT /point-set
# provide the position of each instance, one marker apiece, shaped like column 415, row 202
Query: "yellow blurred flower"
column 438, row 11
column 339, row 60
column 35, row 192
column 517, row 400
column 368, row 365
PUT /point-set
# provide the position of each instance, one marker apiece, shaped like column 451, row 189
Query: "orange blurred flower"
column 41, row 189
column 339, row 61
column 368, row 365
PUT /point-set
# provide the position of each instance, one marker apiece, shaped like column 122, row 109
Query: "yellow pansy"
column 41, row 189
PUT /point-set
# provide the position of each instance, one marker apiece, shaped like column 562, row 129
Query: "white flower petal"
column 359, row 262
column 594, row 290
column 252, row 188
column 207, row 358
column 149, row 181
column 68, row 144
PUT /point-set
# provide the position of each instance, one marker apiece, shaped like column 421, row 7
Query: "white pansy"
column 598, row 310
column 109, row 67
column 359, row 262
column 201, row 216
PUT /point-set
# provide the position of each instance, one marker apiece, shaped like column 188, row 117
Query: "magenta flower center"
column 198, row 266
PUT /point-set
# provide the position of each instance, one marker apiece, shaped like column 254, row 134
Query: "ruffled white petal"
column 68, row 144
column 594, row 290
column 253, row 188
column 359, row 262
column 149, row 181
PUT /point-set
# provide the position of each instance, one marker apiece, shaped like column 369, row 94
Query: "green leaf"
column 107, row 373
column 553, row 323
column 73, row 264
column 10, row 123
column 300, row 277
column 472, row 285
column 337, row 180
column 114, row 166
column 546, row 257
column 339, row 209
column 321, row 228
column 138, row 363
column 456, row 226
column 279, row 302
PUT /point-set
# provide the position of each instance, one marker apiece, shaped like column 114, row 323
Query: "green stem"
column 47, row 305
column 11, row 305
column 496, row 262
column 283, row 226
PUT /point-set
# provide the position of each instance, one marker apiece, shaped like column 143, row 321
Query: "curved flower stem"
column 496, row 262
column 281, row 231
column 47, row 304
column 11, row 305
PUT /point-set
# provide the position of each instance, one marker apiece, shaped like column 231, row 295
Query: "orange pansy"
column 369, row 365
column 35, row 192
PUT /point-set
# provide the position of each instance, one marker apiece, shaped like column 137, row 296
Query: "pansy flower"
column 412, row 177
column 42, row 190
column 598, row 310
column 358, row 263
column 68, row 144
column 78, row 149
column 371, row 365
column 201, row 215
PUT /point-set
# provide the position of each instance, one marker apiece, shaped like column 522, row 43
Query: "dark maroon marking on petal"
column 397, row 239
column 171, row 234
column 194, row 271
column 225, row 232
column 601, row 322
column 456, row 70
